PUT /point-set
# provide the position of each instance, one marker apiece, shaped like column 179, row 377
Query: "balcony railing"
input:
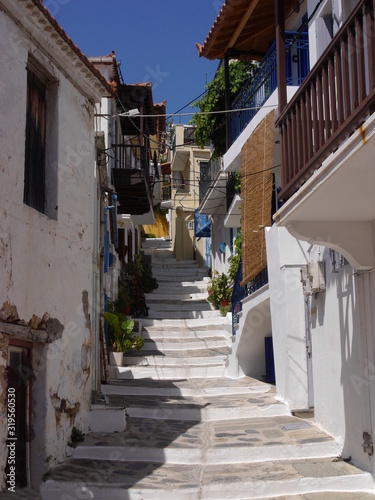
column 238, row 295
column 260, row 280
column 264, row 81
column 166, row 188
column 231, row 188
column 335, row 98
column 208, row 175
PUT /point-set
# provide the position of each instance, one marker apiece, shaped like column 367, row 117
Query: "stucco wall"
column 285, row 257
column 343, row 368
column 46, row 265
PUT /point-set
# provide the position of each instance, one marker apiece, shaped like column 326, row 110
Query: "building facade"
column 48, row 198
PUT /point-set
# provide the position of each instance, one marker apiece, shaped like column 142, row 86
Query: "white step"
column 170, row 361
column 195, row 481
column 184, row 344
column 183, row 314
column 160, row 297
column 157, row 333
column 170, row 372
column 187, row 323
column 104, row 418
column 173, row 264
column 203, row 305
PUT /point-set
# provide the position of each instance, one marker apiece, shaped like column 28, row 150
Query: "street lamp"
column 131, row 112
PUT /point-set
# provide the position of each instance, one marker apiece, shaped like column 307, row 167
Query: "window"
column 40, row 183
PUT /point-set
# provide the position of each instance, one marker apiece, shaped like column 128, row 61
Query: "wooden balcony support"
column 335, row 98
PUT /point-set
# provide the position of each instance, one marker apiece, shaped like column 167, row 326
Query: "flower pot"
column 209, row 292
column 116, row 358
column 224, row 303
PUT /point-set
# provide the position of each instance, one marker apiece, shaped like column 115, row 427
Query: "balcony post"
column 228, row 135
column 281, row 59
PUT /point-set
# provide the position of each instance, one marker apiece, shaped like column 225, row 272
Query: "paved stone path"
column 192, row 432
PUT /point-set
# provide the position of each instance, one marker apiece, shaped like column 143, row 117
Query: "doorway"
column 19, row 391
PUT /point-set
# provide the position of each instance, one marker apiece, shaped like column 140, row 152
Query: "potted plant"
column 121, row 337
column 221, row 289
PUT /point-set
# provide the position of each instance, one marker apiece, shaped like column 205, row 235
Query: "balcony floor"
column 336, row 206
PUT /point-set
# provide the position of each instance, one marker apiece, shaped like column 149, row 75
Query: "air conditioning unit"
column 313, row 278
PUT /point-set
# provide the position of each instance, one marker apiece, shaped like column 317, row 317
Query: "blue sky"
column 153, row 39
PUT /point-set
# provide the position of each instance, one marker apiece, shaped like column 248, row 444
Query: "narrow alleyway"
column 192, row 433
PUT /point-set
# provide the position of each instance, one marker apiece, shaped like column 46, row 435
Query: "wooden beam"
column 242, row 24
column 24, row 332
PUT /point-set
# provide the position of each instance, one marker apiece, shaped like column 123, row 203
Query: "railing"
column 231, row 188
column 264, row 81
column 166, row 188
column 260, row 280
column 238, row 295
column 208, row 176
column 334, row 100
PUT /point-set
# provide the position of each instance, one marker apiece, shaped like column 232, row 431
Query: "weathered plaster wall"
column 46, row 264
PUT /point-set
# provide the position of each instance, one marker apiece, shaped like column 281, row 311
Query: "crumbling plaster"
column 47, row 263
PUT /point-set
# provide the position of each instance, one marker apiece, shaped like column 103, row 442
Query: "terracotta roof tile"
column 252, row 40
column 73, row 46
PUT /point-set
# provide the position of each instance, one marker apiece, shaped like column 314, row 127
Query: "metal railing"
column 264, row 80
column 208, row 176
column 335, row 98
column 260, row 280
column 238, row 295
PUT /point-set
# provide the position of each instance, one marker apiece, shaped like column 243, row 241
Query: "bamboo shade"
column 256, row 193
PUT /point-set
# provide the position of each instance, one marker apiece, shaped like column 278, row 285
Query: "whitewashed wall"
column 343, row 356
column 285, row 256
column 47, row 265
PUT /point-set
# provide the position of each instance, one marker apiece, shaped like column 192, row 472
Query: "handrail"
column 335, row 98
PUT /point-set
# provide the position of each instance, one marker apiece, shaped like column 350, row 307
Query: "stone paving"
column 200, row 436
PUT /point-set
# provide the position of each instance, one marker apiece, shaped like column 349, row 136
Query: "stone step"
column 156, row 243
column 193, row 324
column 245, row 386
column 176, row 344
column 107, row 418
column 318, row 479
column 176, row 297
column 172, row 278
column 182, row 314
column 181, row 358
column 171, row 372
column 167, row 306
column 202, row 408
column 217, row 442
column 176, row 271
column 180, row 332
column 173, row 264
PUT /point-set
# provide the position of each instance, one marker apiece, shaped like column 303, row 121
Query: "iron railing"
column 231, row 188
column 260, row 280
column 335, row 98
column 208, row 176
column 264, row 80
column 238, row 295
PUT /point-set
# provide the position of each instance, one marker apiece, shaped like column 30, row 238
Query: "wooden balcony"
column 334, row 100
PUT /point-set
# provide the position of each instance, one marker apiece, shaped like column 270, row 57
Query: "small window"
column 40, row 183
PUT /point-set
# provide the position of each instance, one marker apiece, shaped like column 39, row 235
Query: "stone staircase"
column 192, row 432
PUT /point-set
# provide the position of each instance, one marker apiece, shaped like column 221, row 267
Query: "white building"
column 318, row 304
column 49, row 194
